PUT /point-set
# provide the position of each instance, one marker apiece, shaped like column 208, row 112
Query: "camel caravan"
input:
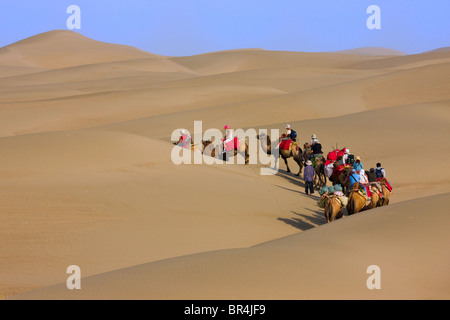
column 352, row 187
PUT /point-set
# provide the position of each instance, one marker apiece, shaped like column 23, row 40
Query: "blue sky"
column 187, row 27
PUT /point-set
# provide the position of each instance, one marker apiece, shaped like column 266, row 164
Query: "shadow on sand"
column 302, row 221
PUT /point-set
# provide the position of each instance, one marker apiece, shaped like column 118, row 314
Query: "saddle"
column 232, row 145
column 343, row 200
column 286, row 144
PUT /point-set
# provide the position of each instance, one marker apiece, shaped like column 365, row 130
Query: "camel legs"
column 287, row 166
column 300, row 166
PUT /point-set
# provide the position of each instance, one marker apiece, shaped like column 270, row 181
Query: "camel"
column 194, row 147
column 295, row 151
column 342, row 178
column 210, row 149
column 375, row 200
column 386, row 193
column 320, row 179
column 333, row 208
column 356, row 200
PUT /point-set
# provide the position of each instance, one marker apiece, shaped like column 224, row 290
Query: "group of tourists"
column 336, row 160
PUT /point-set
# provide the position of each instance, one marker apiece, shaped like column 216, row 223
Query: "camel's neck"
column 266, row 144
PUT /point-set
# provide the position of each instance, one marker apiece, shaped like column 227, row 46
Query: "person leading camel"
column 308, row 176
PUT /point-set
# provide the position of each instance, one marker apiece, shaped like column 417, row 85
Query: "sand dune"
column 372, row 51
column 87, row 179
column 62, row 49
column 329, row 262
column 239, row 60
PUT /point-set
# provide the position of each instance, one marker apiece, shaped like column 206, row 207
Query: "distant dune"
column 444, row 49
column 61, row 49
column 86, row 176
column 372, row 51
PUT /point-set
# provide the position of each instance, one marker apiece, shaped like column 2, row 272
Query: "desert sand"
column 86, row 176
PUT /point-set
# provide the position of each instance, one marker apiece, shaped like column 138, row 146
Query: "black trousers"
column 309, row 186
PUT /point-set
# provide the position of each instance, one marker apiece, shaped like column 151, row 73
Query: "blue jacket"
column 354, row 177
column 357, row 166
column 309, row 173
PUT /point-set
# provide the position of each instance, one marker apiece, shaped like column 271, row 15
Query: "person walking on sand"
column 308, row 176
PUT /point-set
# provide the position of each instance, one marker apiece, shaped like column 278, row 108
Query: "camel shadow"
column 291, row 177
column 304, row 222
column 313, row 196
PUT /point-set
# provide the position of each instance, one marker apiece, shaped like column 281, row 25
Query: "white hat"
column 314, row 136
column 183, row 131
column 288, row 126
column 308, row 163
column 347, row 151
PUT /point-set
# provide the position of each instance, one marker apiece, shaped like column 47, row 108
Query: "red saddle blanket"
column 368, row 191
column 285, row 144
column 388, row 185
column 337, row 171
column 232, row 145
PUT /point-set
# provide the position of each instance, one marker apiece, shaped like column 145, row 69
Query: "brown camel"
column 320, row 179
column 356, row 200
column 375, row 199
column 295, row 151
column 194, row 147
column 210, row 149
column 333, row 208
column 306, row 151
column 342, row 178
column 386, row 193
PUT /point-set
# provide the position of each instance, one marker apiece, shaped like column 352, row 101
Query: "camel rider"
column 371, row 175
column 185, row 139
column 317, row 149
column 228, row 135
column 380, row 172
column 358, row 164
column 289, row 135
column 348, row 158
column 227, row 139
column 313, row 139
column 354, row 177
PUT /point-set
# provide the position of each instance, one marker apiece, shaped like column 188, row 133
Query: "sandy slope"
column 86, row 175
column 329, row 262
